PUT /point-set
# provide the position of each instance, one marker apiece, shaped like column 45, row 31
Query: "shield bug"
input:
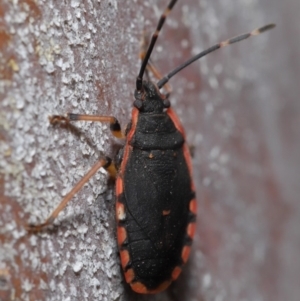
column 156, row 206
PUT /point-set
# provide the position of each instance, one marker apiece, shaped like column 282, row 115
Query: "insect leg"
column 139, row 80
column 150, row 66
column 105, row 163
column 114, row 123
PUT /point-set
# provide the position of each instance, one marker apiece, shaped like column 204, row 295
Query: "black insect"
column 156, row 206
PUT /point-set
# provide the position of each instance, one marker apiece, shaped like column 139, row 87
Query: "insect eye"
column 167, row 103
column 138, row 104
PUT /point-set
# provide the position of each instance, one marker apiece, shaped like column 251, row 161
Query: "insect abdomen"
column 156, row 198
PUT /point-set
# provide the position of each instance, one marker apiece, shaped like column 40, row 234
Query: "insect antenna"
column 236, row 39
column 161, row 22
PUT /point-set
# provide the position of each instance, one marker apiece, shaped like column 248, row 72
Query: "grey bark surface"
column 241, row 111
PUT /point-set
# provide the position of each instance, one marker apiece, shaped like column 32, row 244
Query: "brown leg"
column 105, row 163
column 114, row 123
column 150, row 66
column 158, row 76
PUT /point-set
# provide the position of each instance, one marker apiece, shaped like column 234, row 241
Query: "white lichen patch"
column 77, row 266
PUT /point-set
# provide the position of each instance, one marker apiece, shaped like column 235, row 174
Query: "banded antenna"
column 236, row 39
column 139, row 80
